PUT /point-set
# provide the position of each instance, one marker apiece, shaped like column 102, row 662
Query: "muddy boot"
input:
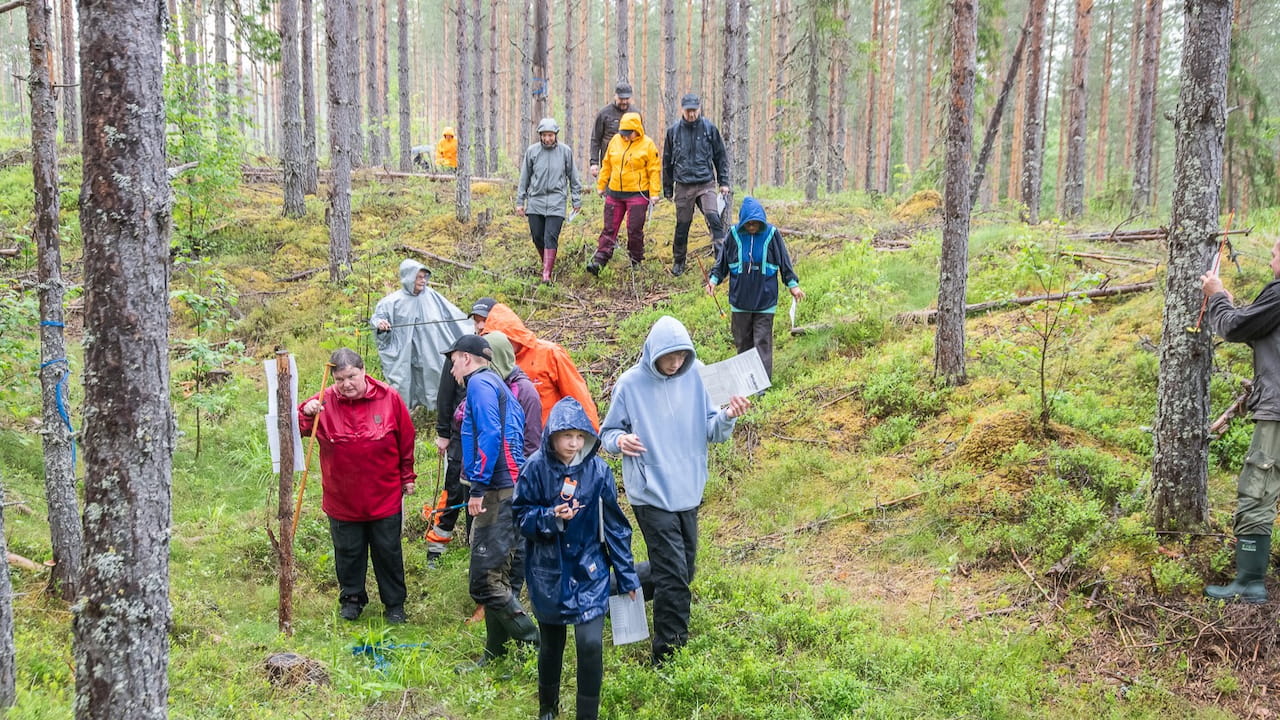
column 495, row 644
column 517, row 624
column 1252, row 555
column 548, row 263
column 588, row 707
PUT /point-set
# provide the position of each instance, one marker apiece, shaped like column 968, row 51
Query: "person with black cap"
column 548, row 177
column 695, row 171
column 607, row 121
column 492, row 442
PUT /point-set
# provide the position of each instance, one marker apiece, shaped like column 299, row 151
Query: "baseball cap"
column 483, row 306
column 473, row 344
column 623, row 90
column 690, row 102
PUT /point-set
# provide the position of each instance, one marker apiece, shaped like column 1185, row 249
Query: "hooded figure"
column 754, row 259
column 447, row 150
column 504, row 362
column 547, row 364
column 411, row 335
column 569, row 552
column 631, row 181
column 548, row 177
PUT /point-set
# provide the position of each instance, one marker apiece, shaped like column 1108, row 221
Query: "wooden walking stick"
column 302, row 484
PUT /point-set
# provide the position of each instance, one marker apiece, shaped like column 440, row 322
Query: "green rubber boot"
column 1253, row 553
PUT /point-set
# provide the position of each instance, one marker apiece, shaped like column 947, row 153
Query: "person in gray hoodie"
column 547, row 175
column 662, row 421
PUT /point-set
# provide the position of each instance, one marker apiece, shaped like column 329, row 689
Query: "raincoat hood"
column 667, row 335
column 567, row 414
column 751, row 209
column 548, row 125
column 631, row 121
column 409, row 270
column 504, row 320
column 504, row 356
column 448, row 132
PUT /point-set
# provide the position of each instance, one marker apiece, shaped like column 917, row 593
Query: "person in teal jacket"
column 566, row 507
column 662, row 421
column 754, row 259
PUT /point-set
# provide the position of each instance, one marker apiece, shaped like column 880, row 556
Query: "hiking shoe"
column 351, row 611
column 677, row 269
column 593, row 268
column 395, row 615
column 433, row 560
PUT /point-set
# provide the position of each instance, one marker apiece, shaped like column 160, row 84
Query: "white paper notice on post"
column 739, row 375
column 273, row 435
column 627, row 617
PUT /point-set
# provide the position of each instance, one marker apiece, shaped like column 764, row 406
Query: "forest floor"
column 875, row 544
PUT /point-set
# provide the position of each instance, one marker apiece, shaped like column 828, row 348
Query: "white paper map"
column 739, row 375
column 627, row 616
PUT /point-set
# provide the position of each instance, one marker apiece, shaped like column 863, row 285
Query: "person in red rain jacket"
column 366, row 463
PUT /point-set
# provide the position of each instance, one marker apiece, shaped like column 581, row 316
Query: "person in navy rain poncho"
column 566, row 506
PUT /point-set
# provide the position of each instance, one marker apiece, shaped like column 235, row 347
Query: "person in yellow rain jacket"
column 631, row 182
column 447, row 150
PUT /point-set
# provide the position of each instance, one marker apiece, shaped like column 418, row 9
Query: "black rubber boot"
column 517, row 624
column 1253, row 553
column 588, row 707
column 495, row 644
column 548, row 701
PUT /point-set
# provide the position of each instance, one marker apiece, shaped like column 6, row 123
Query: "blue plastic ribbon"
column 60, row 399
column 376, row 649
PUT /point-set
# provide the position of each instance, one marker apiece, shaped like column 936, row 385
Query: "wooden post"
column 284, row 548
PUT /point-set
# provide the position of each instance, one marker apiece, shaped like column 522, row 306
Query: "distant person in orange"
column 547, row 364
column 447, row 150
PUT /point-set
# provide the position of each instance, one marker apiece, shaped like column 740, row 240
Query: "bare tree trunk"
column 669, row 62
column 372, row 86
column 8, row 651
column 949, row 359
column 492, row 165
column 888, row 73
column 1033, row 118
column 740, row 172
column 836, row 117
column 285, row 413
column 1144, row 126
column 541, row 33
column 1104, row 105
column 993, row 126
column 310, row 169
column 573, row 8
column 926, row 114
column 813, row 168
column 291, row 111
column 1180, row 466
column 1077, row 127
column 55, row 431
column 733, row 74
column 384, row 82
column 462, row 198
column 1134, row 80
column 529, row 68
column 476, row 85
column 357, row 70
column 623, row 41
column 402, row 83
column 121, row 642
column 70, row 60
column 778, row 93
column 342, row 64
column 873, row 83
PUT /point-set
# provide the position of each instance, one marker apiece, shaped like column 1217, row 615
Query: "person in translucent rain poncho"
column 414, row 326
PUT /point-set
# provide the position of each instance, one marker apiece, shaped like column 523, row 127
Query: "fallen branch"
column 1236, row 406
column 930, row 316
column 1140, row 235
column 1109, row 258
column 179, row 169
column 1052, row 600
column 10, row 252
column 24, row 563
column 13, row 5
column 303, row 275
column 441, row 258
column 821, row 522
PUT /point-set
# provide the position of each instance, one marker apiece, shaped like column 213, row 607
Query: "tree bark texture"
column 491, row 166
column 623, row 41
column 1033, row 117
column 1145, row 120
column 221, row 78
column 1077, row 123
column 873, row 83
column 1104, row 105
column 779, row 95
column 528, row 71
column 70, row 61
column 310, row 161
column 343, row 70
column 384, row 82
column 285, row 404
column 8, row 651
column 734, row 73
column 541, row 81
column 669, row 110
column 291, row 111
column 480, row 165
column 402, row 84
column 571, row 62
column 949, row 358
column 121, row 643
column 1180, row 466
column 59, row 466
column 993, row 126
column 462, row 196
column 1133, row 79
column 813, row 168
column 372, row 86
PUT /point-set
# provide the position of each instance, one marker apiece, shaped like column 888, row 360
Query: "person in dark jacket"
column 548, row 177
column 695, row 171
column 366, row 464
column 606, row 124
column 492, row 454
column 1258, row 487
column 754, row 258
column 567, row 508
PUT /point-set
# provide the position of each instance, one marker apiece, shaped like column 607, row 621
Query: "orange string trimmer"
column 302, row 485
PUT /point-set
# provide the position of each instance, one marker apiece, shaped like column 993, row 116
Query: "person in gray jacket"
column 1258, row 488
column 547, row 176
column 662, row 421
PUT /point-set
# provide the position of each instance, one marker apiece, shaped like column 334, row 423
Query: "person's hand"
column 383, row 326
column 594, row 170
column 600, row 193
column 724, row 189
column 312, row 408
column 520, row 210
column 1212, row 284
column 655, row 200
column 632, row 594
column 797, row 293
column 711, row 288
column 442, row 444
column 630, row 445
column 408, row 488
column 577, row 208
column 475, row 506
column 737, row 406
column 566, row 511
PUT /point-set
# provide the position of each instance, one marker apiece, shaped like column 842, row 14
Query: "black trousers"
column 493, row 547
column 453, row 487
column 672, row 538
column 588, row 637
column 545, row 230
column 354, row 545
column 754, row 330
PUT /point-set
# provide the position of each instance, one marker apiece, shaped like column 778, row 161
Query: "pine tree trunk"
column 1134, row 80
column 1180, row 466
column 310, row 169
column 668, row 62
column 1104, row 106
column 1077, row 126
column 291, row 111
column 462, row 197
column 1033, row 118
column 358, row 71
column 926, row 113
column 372, row 86
column 8, row 651
column 70, row 60
column 873, row 84
column 733, row 74
column 743, row 124
column 402, row 85
column 888, row 72
column 813, row 168
column 492, row 85
column 949, row 358
column 541, row 37
column 480, row 165
column 1144, row 124
column 623, row 41
column 59, row 467
column 993, row 126
column 529, row 69
column 342, row 61
column 384, row 82
column 779, row 92
column 121, row 621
